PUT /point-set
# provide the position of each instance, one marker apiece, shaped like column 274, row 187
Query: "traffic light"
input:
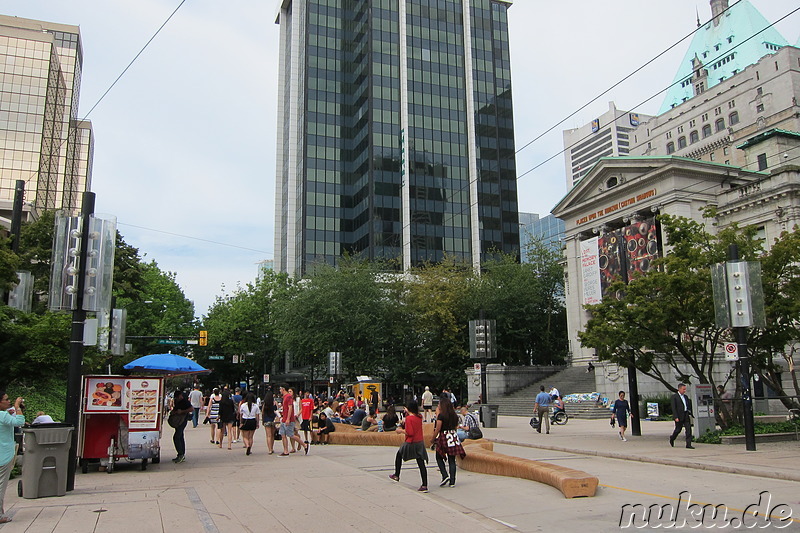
column 203, row 338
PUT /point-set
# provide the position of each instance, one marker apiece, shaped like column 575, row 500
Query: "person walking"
column 237, row 399
column 288, row 418
column 681, row 413
column 10, row 417
column 227, row 414
column 413, row 447
column 445, row 438
column 268, row 415
column 212, row 413
column 620, row 410
column 306, row 412
column 248, row 412
column 542, row 409
column 427, row 403
column 196, row 399
column 180, row 406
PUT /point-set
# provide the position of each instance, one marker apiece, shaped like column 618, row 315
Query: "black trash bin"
column 44, row 470
column 489, row 415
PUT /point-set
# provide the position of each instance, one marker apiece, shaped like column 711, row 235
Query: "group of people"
column 445, row 441
column 236, row 416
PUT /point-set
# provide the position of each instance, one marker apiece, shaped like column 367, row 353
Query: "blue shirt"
column 7, row 424
column 543, row 399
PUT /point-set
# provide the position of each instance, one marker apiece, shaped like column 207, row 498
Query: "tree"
column 526, row 301
column 664, row 319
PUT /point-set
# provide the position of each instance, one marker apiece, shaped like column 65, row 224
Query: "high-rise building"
column 547, row 231
column 42, row 141
column 395, row 132
column 606, row 136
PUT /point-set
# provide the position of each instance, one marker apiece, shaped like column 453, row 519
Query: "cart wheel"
column 84, row 466
column 156, row 459
column 144, row 464
column 19, row 488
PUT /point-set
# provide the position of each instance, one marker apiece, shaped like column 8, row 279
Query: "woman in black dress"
column 445, row 437
column 227, row 414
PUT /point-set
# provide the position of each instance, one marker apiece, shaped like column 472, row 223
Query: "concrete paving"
column 346, row 488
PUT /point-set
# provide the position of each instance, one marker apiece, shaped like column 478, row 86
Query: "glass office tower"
column 42, row 141
column 396, row 137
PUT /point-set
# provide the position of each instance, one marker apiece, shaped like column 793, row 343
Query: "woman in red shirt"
column 413, row 447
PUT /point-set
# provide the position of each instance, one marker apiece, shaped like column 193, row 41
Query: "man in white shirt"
column 554, row 393
column 196, row 399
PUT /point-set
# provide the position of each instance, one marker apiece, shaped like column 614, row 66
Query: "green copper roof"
column 724, row 50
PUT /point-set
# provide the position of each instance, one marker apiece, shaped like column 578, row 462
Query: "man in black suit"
column 682, row 411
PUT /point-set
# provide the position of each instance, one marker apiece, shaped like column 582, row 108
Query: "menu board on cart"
column 143, row 402
column 104, row 394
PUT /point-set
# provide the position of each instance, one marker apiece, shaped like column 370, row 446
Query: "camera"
column 22, row 404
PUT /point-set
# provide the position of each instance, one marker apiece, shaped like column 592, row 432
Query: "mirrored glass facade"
column 396, row 132
column 42, row 142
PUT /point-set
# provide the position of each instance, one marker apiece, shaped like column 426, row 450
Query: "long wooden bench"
column 482, row 458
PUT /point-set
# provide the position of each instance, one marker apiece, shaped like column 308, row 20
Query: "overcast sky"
column 185, row 142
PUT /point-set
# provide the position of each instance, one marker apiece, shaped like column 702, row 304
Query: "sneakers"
column 423, row 488
column 394, row 477
column 445, row 479
column 624, row 439
column 452, row 483
column 620, row 436
column 179, row 459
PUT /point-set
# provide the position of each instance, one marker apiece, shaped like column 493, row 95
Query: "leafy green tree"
column 664, row 319
column 337, row 309
column 526, row 301
column 242, row 323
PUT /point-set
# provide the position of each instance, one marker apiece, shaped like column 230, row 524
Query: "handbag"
column 176, row 419
column 475, row 433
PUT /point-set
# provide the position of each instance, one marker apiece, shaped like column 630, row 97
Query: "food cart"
column 121, row 418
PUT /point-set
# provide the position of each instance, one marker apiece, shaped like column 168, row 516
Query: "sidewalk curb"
column 784, row 476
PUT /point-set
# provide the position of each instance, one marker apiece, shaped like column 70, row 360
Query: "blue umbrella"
column 165, row 363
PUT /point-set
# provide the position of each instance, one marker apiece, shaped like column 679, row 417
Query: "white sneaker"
column 620, row 437
column 624, row 439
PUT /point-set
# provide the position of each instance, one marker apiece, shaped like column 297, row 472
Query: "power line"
column 86, row 116
column 229, row 245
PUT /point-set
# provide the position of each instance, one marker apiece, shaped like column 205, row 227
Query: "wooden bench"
column 482, row 458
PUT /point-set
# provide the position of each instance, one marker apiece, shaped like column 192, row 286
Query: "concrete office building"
column 609, row 135
column 42, row 141
column 395, row 132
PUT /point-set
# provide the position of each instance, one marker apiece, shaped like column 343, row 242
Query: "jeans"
column 178, row 440
column 195, row 416
column 451, row 459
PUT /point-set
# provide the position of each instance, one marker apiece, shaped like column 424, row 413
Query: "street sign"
column 171, row 341
column 731, row 351
column 192, row 341
column 476, row 367
column 266, row 378
column 235, row 359
column 216, row 357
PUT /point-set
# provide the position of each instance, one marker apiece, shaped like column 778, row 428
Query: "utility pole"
column 738, row 284
column 633, row 387
column 74, row 371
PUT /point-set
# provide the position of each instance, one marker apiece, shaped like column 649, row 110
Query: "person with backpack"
column 469, row 428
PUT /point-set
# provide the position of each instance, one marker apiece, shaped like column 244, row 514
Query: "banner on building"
column 590, row 272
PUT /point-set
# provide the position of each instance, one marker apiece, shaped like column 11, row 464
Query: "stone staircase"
column 571, row 380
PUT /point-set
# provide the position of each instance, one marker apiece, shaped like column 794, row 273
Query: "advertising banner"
column 590, row 272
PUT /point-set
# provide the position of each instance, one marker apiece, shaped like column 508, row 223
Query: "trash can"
column 44, row 471
column 489, row 415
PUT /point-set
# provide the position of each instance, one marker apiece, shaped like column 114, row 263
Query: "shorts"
column 249, row 424
column 286, row 429
column 305, row 425
column 427, row 407
column 269, row 424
